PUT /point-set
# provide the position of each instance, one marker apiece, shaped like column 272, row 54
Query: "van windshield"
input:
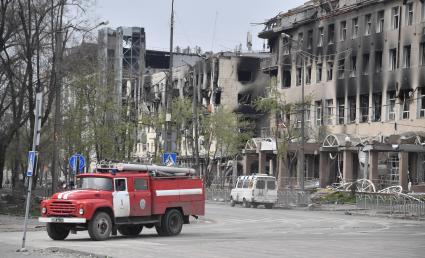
column 261, row 184
column 96, row 183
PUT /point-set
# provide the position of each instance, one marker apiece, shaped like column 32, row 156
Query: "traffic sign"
column 31, row 162
column 77, row 158
column 169, row 159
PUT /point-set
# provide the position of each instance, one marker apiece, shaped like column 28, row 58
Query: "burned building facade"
column 361, row 64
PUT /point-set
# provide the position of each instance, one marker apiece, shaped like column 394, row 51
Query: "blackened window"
column 368, row 24
column 352, row 109
column 308, row 75
column 341, row 69
column 381, row 20
column 422, row 52
column 406, row 56
column 321, row 37
column 330, row 70
column 391, row 105
column 341, row 111
column 286, row 78
column 244, row 76
column 366, row 64
column 343, row 31
column 310, row 39
column 331, row 33
column 378, row 61
column 353, row 71
column 364, row 108
column 376, row 107
column 355, row 27
column 299, row 76
column 319, row 70
column 393, row 59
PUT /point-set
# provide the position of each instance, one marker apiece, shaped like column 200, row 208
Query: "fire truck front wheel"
column 171, row 223
column 57, row 231
column 100, row 226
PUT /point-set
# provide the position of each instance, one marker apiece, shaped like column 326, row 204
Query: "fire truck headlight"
column 44, row 210
column 81, row 211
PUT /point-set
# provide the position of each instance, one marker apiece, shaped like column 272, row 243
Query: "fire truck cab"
column 125, row 198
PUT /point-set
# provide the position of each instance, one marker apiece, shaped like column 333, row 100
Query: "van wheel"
column 100, row 226
column 130, row 230
column 245, row 204
column 269, row 205
column 57, row 231
column 171, row 223
column 232, row 202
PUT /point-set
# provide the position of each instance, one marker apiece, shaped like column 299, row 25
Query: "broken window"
column 331, row 33
column 321, row 37
column 368, row 24
column 330, row 70
column 341, row 111
column 406, row 56
column 319, row 113
column 310, row 39
column 395, row 17
column 378, row 61
column 355, row 27
column 364, row 108
column 341, row 69
column 244, row 76
column 343, row 31
column 409, row 14
column 319, row 70
column 308, row 75
column 299, row 76
column 391, row 105
column 393, row 59
column 244, row 99
column 381, row 20
column 376, row 107
column 352, row 109
column 421, row 102
column 329, row 111
column 286, row 78
column 366, row 64
column 353, row 71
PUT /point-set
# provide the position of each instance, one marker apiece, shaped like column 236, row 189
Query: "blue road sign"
column 31, row 162
column 73, row 162
column 169, row 159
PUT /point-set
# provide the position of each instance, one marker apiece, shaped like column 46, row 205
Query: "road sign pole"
column 35, row 142
column 77, row 168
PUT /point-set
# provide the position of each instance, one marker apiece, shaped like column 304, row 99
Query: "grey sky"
column 194, row 22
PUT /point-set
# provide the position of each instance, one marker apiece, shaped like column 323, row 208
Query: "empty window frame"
column 341, row 68
column 353, row 71
column 378, row 61
column 391, row 105
column 329, row 111
column 330, row 70
column 286, row 78
column 310, row 39
column 299, row 76
column 421, row 103
column 366, row 65
column 368, row 24
column 409, row 14
column 395, row 17
column 319, row 113
column 393, row 59
column 380, row 21
column 331, row 33
column 352, row 109
column 308, row 75
column 319, row 71
column 376, row 107
column 341, row 111
column 321, row 39
column 355, row 28
column 364, row 108
column 343, row 31
column 404, row 105
column 406, row 56
column 301, row 39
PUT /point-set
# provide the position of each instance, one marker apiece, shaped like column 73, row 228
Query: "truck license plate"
column 57, row 219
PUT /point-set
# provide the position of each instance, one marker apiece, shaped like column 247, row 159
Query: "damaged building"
column 361, row 64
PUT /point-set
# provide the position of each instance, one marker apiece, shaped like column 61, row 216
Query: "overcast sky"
column 194, row 21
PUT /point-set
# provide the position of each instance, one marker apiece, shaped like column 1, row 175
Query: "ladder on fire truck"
column 155, row 169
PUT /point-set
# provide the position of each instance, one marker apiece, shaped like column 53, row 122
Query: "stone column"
column 402, row 170
column 373, row 167
column 261, row 162
column 324, row 169
column 347, row 168
column 283, row 174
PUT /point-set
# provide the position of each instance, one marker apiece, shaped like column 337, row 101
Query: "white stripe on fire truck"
column 179, row 192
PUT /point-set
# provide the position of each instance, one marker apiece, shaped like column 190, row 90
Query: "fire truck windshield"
column 96, row 183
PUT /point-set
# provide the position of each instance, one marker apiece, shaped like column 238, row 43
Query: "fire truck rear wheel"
column 100, row 226
column 171, row 223
column 130, row 230
column 57, row 231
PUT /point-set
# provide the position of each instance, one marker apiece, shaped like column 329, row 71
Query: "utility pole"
column 195, row 121
column 169, row 88
column 302, row 154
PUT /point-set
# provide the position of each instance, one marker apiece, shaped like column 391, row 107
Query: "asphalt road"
column 241, row 232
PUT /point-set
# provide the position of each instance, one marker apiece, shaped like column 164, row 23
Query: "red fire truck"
column 126, row 198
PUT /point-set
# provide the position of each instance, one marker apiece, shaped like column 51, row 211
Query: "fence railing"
column 390, row 204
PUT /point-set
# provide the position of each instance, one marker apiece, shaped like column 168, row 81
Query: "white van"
column 254, row 190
